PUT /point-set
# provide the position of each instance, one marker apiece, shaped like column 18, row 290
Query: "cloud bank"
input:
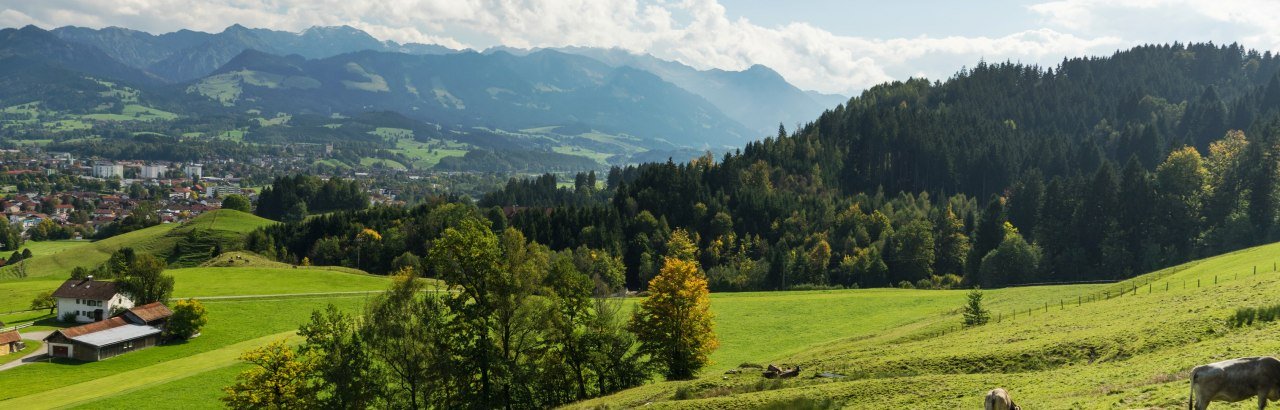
column 696, row 32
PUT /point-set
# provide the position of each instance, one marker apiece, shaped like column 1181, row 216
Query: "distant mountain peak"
column 236, row 29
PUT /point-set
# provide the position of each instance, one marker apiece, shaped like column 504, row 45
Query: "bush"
column 811, row 286
column 803, row 403
column 906, row 285
column 67, row 317
column 1247, row 316
column 187, row 320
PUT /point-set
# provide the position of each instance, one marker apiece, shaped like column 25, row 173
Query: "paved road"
column 34, row 356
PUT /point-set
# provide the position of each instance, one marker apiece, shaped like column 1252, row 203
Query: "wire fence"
column 1149, row 284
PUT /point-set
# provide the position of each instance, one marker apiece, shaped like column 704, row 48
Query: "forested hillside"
column 1099, row 168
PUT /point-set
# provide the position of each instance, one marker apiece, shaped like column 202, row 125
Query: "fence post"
column 1148, row 288
column 1079, row 300
column 1215, row 279
column 1046, row 306
column 1197, row 282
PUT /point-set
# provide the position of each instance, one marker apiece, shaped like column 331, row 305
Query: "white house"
column 89, row 300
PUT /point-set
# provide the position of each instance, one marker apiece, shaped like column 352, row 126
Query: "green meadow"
column 1095, row 346
column 1126, row 345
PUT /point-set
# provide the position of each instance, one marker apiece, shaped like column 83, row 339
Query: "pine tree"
column 975, row 314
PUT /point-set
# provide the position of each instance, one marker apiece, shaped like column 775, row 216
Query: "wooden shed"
column 10, row 342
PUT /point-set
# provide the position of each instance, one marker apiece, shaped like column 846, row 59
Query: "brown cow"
column 998, row 399
column 1235, row 380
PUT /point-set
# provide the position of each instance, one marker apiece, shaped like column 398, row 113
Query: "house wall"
column 117, row 302
column 79, row 351
column 126, row 347
column 71, row 305
column 6, row 348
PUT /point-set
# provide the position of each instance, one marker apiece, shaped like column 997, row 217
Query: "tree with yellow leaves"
column 280, row 379
column 674, row 324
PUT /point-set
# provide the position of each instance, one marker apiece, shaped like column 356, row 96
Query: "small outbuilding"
column 137, row 328
column 11, row 342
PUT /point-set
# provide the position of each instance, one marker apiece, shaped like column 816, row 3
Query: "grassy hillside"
column 224, row 226
column 1126, row 345
column 1129, row 351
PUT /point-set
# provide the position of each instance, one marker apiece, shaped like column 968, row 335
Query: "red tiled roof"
column 94, row 327
column 10, row 337
column 151, row 312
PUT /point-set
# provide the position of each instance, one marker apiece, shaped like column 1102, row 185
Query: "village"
column 174, row 192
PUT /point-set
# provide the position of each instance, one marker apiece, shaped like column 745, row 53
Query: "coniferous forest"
column 1098, row 168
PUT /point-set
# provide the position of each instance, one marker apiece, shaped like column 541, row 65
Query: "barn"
column 138, row 328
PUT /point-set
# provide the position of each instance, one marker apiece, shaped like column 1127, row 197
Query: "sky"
column 824, row 45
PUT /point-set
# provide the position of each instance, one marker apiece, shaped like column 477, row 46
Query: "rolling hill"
column 1125, row 345
column 222, row 226
column 1120, row 345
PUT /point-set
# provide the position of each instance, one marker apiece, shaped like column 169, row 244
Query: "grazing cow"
column 1235, row 380
column 998, row 399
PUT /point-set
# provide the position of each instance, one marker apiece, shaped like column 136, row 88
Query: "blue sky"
column 825, row 45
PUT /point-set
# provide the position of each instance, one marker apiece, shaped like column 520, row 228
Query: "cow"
column 998, row 399
column 1235, row 380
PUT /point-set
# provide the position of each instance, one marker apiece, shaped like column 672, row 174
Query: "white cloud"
column 697, row 32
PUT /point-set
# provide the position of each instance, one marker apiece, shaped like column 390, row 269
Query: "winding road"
column 33, row 356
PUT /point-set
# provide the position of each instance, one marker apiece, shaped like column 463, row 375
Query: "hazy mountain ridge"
column 604, row 99
column 499, row 90
column 758, row 97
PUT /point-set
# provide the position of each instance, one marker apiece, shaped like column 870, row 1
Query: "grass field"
column 32, row 346
column 1131, row 348
column 1100, row 346
column 234, row 326
column 158, row 240
column 52, row 262
column 427, row 155
column 600, row 157
column 211, row 281
column 132, row 112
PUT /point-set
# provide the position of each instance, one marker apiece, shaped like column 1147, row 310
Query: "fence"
column 18, row 327
column 1134, row 287
column 1149, row 284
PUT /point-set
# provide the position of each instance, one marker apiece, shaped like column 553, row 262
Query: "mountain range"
column 627, row 103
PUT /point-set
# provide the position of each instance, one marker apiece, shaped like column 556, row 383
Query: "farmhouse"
column 138, row 328
column 88, row 300
column 10, row 342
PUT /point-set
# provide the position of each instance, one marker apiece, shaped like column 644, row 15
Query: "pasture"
column 1122, row 345
column 57, row 259
column 1131, row 348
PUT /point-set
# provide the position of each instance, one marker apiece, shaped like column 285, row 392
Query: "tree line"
column 518, row 325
